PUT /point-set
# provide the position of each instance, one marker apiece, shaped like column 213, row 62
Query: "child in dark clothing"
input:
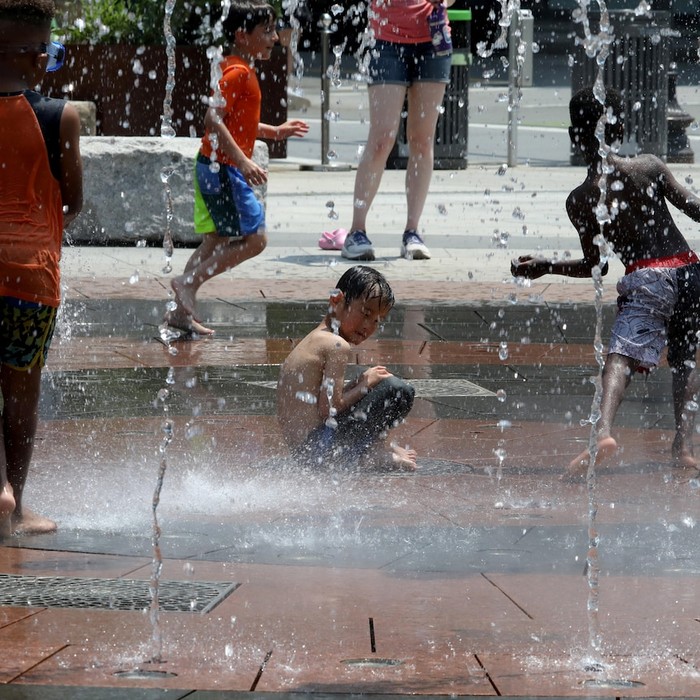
column 659, row 296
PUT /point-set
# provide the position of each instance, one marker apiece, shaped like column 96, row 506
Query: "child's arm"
column 71, row 164
column 678, row 195
column 251, row 171
column 333, row 392
column 330, row 394
column 582, row 217
column 281, row 132
column 354, row 391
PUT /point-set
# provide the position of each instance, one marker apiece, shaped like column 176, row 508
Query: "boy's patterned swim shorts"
column 26, row 329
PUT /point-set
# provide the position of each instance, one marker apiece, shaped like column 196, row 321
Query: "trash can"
column 452, row 127
column 637, row 68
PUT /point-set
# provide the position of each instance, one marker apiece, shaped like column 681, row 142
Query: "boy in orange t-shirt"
column 227, row 212
column 42, row 189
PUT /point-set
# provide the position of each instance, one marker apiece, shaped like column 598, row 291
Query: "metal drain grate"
column 111, row 594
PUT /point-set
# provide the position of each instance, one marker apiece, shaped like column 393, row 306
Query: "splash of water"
column 291, row 8
column 216, row 100
column 166, row 129
column 165, row 174
column 157, row 564
column 596, row 46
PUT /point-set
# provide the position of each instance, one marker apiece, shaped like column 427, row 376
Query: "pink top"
column 400, row 21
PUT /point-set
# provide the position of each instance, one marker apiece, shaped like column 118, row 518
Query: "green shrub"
column 137, row 22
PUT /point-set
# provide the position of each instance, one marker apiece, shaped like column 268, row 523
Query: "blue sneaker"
column 413, row 248
column 357, row 247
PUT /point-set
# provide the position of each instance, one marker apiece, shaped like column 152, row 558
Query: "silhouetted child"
column 659, row 295
column 41, row 186
column 325, row 421
column 226, row 210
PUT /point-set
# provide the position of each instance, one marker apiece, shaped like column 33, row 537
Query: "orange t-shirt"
column 400, row 21
column 241, row 91
column 31, row 208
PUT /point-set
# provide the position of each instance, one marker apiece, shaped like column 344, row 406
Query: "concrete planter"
column 125, row 198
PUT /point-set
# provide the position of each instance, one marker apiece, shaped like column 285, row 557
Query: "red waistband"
column 678, row 260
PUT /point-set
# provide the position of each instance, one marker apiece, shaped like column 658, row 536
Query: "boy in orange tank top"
column 41, row 184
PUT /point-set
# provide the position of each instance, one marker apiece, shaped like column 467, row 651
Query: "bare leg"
column 215, row 254
column 424, row 100
column 617, row 374
column 7, row 507
column 685, row 394
column 7, row 499
column 385, row 104
column 20, row 390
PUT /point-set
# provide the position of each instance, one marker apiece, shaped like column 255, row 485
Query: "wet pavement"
column 466, row 578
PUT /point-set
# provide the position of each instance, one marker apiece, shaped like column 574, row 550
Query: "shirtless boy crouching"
column 326, row 422
column 659, row 295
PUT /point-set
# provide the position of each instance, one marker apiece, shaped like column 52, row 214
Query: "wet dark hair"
column 247, row 15
column 362, row 282
column 33, row 12
column 585, row 110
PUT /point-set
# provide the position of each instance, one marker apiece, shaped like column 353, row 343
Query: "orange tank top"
column 31, row 208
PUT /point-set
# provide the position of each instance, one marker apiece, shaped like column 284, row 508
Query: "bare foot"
column 394, row 459
column 403, row 459
column 32, row 524
column 682, row 456
column 7, row 507
column 607, row 447
column 184, row 322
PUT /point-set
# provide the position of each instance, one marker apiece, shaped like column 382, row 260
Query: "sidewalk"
column 475, row 221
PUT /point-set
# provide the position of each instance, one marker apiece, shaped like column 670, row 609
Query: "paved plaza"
column 468, row 577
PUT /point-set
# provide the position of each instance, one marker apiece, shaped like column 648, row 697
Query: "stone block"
column 125, row 197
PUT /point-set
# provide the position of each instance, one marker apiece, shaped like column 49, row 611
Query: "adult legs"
column 385, row 105
column 20, row 391
column 424, row 100
column 215, row 254
column 617, row 374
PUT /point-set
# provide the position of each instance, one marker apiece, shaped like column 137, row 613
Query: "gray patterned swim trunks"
column 646, row 302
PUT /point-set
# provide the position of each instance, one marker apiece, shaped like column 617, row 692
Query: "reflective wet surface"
column 466, row 577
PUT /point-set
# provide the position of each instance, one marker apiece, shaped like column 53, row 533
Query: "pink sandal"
column 333, row 240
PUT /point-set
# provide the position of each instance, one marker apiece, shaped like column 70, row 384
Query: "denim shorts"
column 26, row 329
column 405, row 64
column 224, row 202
